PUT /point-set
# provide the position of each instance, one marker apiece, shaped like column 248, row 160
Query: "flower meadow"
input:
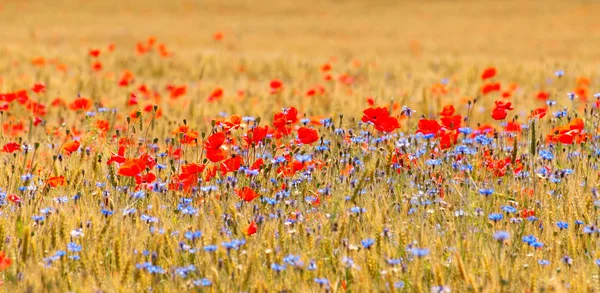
column 144, row 168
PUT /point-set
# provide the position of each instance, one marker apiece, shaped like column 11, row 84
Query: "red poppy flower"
column 126, row 78
column 192, row 168
column 426, row 126
column 451, row 122
column 286, row 117
column 252, row 228
column 94, row 53
column 542, row 95
column 218, row 36
column 539, row 113
column 448, row 139
column 526, row 213
column 22, row 97
column 80, row 103
column 215, row 95
column 386, row 124
column 246, row 194
column 56, row 181
column 71, row 146
column 276, row 86
column 370, row 101
column 232, row 164
column 371, row 114
column 37, row 120
column 513, row 127
column 488, row 73
column 256, row 135
column 5, row 261
column 36, row 108
column 118, row 158
column 499, row 112
column 38, row 88
column 97, row 66
column 148, row 161
column 234, row 122
column 15, row 198
column 187, row 178
column 146, row 178
column 307, row 135
column 568, row 134
column 11, row 147
column 490, row 87
column 131, row 167
column 213, row 144
column 177, row 91
column 257, row 164
column 448, row 110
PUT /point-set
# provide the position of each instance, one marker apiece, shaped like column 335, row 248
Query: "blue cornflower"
column 529, row 239
column 106, row 212
column 139, row 194
column 357, row 210
column 38, row 218
column 495, row 217
column 501, row 236
column 322, row 281
column 155, row 270
column 367, row 243
column 433, row 162
column 210, row 248
column 509, row 209
column 486, row 191
column 293, row 260
column 183, row 271
column 204, row 282
column 546, row 155
column 544, row 262
column 562, row 225
column 420, row 252
column 192, row 235
column 73, row 247
column 277, row 267
column 234, row 244
column 465, row 130
column 589, row 229
column 537, row 244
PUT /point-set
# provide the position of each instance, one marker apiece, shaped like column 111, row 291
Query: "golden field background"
column 402, row 47
column 530, row 30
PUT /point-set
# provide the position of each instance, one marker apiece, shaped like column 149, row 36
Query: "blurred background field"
column 531, row 30
column 390, row 49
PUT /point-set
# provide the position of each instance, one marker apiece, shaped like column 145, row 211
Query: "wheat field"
column 299, row 146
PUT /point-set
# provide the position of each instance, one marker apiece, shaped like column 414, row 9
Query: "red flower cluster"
column 500, row 110
column 380, row 117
